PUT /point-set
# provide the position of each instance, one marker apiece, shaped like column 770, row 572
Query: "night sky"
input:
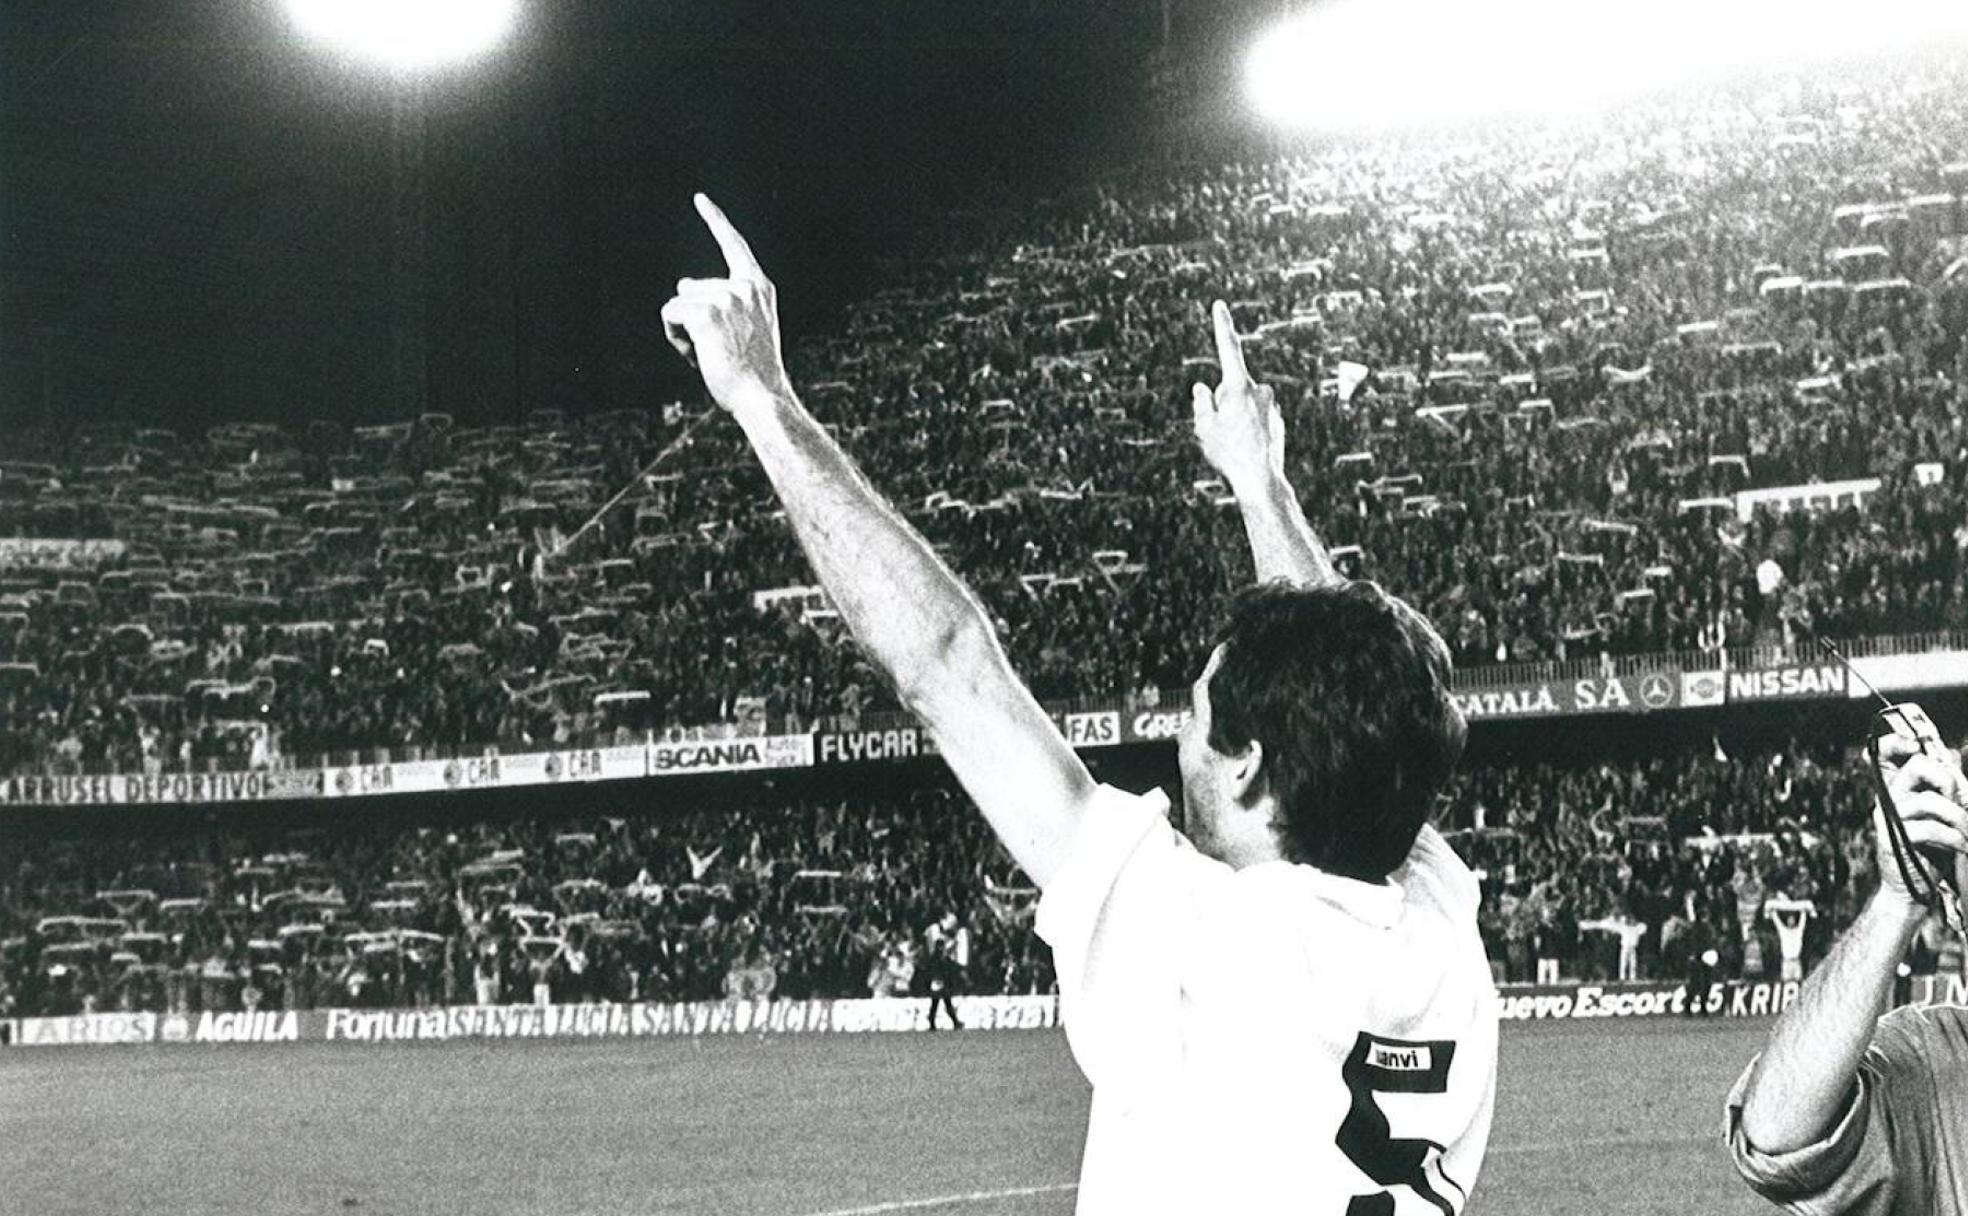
column 196, row 216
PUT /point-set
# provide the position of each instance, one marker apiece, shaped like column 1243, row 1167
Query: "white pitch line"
column 943, row 1201
column 1561, row 1146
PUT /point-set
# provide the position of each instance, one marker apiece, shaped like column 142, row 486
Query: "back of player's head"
column 1347, row 691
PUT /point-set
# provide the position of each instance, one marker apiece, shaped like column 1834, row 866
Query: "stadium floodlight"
column 406, row 34
column 1391, row 63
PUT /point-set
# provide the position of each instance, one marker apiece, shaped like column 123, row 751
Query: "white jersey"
column 1272, row 1039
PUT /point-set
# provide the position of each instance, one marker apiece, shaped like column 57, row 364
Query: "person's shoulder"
column 1924, row 1037
column 1112, row 798
column 1433, row 871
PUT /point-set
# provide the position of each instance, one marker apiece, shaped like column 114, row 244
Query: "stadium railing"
column 1733, row 658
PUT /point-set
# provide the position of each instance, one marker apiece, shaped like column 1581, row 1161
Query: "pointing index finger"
column 737, row 254
column 1229, row 349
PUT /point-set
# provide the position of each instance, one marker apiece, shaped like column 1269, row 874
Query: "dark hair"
column 1347, row 690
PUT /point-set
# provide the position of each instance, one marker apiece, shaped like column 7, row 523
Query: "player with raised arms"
column 1283, row 1005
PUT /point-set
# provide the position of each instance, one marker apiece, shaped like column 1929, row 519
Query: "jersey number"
column 1394, row 1066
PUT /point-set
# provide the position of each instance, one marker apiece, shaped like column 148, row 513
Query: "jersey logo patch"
column 1414, row 1057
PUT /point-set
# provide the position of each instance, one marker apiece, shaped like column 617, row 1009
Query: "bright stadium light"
column 1390, row 63
column 406, row 34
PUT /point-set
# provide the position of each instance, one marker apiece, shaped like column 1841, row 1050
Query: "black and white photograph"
column 983, row 607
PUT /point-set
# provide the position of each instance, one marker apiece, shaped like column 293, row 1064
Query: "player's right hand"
column 1931, row 796
column 1238, row 424
column 729, row 327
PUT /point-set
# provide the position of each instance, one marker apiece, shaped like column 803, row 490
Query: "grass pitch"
column 1611, row 1117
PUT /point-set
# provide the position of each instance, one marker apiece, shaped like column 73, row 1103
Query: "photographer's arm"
column 1805, row 1076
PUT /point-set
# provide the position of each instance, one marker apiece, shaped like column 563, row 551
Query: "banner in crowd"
column 1938, row 990
column 131, row 789
column 1097, row 728
column 416, row 776
column 1904, row 672
column 1101, row 728
column 299, row 783
column 1661, row 689
column 855, row 747
column 732, row 755
column 1814, row 496
column 1151, row 725
column 574, row 765
column 580, row 764
column 1703, row 688
column 1787, row 682
column 27, row 553
column 1627, row 694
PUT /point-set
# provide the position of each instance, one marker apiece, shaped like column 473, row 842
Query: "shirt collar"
column 1376, row 904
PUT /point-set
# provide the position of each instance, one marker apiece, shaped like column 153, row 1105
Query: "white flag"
column 1350, row 376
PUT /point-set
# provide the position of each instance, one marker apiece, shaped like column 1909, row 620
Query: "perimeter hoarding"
column 1611, row 694
column 1643, row 999
column 637, row 1019
column 1665, row 687
column 1099, row 728
column 1153, row 725
column 1906, row 672
column 133, row 789
column 645, row 1019
column 861, row 746
column 732, row 755
column 1787, row 682
column 579, row 764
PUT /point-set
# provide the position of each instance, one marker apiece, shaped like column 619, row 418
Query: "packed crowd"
column 1601, row 871
column 808, row 899
column 1633, row 870
column 1529, row 376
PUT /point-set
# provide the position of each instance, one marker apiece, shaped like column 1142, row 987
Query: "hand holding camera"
column 1920, row 819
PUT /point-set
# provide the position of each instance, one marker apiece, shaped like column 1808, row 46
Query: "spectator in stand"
column 486, row 975
column 1788, row 917
column 898, row 847
column 1628, row 932
column 542, row 968
column 1553, row 940
column 894, row 970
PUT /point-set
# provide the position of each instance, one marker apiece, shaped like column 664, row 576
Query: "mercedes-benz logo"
column 1656, row 690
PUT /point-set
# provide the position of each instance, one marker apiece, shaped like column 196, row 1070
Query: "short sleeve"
column 1848, row 1171
column 1119, row 916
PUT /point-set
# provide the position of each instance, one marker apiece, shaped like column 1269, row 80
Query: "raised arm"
column 920, row 625
column 1242, row 435
column 1804, row 1079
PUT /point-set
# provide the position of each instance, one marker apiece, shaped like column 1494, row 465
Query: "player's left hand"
column 1238, row 424
column 730, row 327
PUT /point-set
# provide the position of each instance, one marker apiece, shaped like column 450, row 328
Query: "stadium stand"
column 1687, row 382
column 833, row 898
